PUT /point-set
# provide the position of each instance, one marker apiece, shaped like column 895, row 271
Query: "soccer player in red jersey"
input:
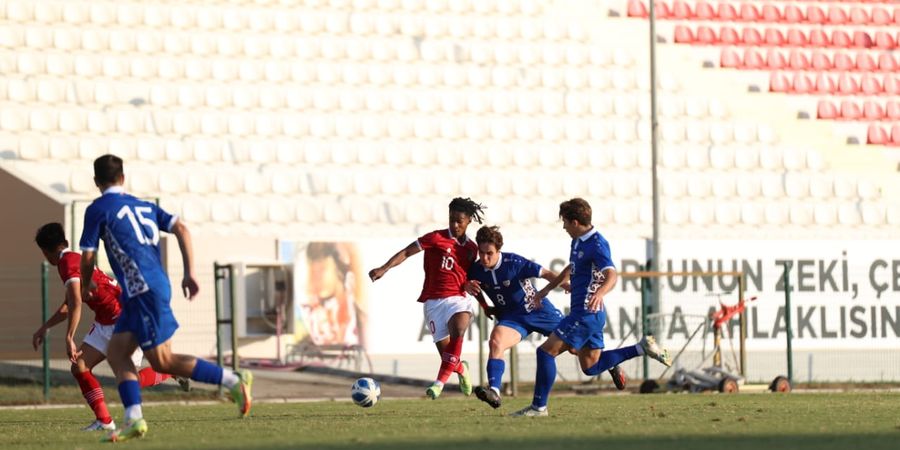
column 448, row 311
column 104, row 301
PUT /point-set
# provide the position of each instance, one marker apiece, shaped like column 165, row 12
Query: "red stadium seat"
column 880, row 16
column 892, row 111
column 869, row 85
column 847, row 85
column 840, row 38
column 850, row 110
column 753, row 60
column 796, row 38
column 636, row 8
column 770, row 13
column 872, row 111
column 859, row 16
column 825, row 84
column 843, row 62
column 729, row 36
column 876, row 135
column 884, row 40
column 801, row 83
column 774, row 37
column 819, row 38
column 705, row 35
column 684, row 35
column 779, row 82
column 749, row 13
column 726, row 12
column 751, row 36
column 798, row 60
column 891, row 85
column 681, row 10
column 814, row 14
column 729, row 58
column 826, row 110
column 821, row 61
column 661, row 10
column 775, row 60
column 861, row 39
column 896, row 16
column 895, row 134
column 837, row 15
column 705, row 11
column 865, row 62
column 792, row 14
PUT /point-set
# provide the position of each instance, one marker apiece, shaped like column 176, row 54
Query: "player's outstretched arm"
column 188, row 284
column 554, row 281
column 395, row 260
column 38, row 337
column 73, row 302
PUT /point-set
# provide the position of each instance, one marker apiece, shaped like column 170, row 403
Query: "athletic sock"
column 207, row 372
column 130, row 392
column 93, row 394
column 639, row 349
column 148, row 377
column 612, row 358
column 544, row 378
column 495, row 368
column 229, row 378
column 450, row 358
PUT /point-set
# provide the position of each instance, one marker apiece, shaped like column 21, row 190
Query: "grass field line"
column 273, row 400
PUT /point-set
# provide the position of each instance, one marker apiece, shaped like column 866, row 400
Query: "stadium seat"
column 825, row 214
column 886, row 63
column 801, row 83
column 775, row 60
column 703, row 10
column 840, row 38
column 792, row 13
column 749, row 13
column 873, row 111
column 847, row 85
column 891, row 85
column 773, row 37
column 861, row 39
column 820, row 61
column 753, row 60
column 865, row 62
column 801, row 213
column 818, row 38
column 876, row 135
column 895, row 135
column 776, row 213
column 779, row 82
column 826, row 110
column 850, row 110
column 796, row 38
column 869, row 85
column 884, row 41
column 729, row 36
column 683, row 35
column 880, row 16
column 837, row 15
column 892, row 111
column 751, row 36
column 706, row 35
column 726, row 12
column 798, row 60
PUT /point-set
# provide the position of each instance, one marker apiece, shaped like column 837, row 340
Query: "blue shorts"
column 582, row 329
column 149, row 317
column 542, row 321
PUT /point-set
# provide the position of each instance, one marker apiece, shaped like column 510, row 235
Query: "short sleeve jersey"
column 589, row 257
column 130, row 228
column 104, row 296
column 446, row 262
column 508, row 284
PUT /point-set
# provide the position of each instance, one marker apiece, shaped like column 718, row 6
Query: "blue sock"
column 495, row 368
column 612, row 358
column 546, row 375
column 130, row 392
column 207, row 372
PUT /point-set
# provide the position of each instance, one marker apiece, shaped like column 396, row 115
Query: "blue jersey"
column 130, row 230
column 508, row 284
column 589, row 258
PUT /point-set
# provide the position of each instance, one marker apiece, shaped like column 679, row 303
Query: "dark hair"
column 51, row 236
column 576, row 209
column 489, row 235
column 468, row 207
column 107, row 169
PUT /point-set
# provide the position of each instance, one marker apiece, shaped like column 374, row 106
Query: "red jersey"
column 104, row 297
column 446, row 263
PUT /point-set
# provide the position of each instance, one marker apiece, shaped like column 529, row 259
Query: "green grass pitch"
column 626, row 422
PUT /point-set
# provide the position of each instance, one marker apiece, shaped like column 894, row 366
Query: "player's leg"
column 503, row 337
column 450, row 348
column 458, row 324
column 239, row 383
column 90, row 387
column 121, row 347
column 545, row 375
column 147, row 377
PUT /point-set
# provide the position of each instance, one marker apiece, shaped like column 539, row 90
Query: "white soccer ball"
column 365, row 392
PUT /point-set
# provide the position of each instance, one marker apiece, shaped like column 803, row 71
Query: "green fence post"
column 217, row 276
column 787, row 320
column 45, row 314
column 235, row 364
column 645, row 322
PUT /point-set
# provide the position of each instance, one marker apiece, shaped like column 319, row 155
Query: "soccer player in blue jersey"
column 130, row 230
column 593, row 275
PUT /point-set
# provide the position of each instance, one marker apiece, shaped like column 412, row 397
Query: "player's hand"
column 38, row 338
column 190, row 287
column 375, row 274
column 472, row 287
column 490, row 312
column 72, row 350
column 537, row 303
column 595, row 303
column 566, row 286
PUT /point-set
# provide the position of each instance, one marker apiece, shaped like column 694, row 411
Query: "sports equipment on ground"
column 365, row 392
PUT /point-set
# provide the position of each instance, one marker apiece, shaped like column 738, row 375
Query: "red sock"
column 93, row 394
column 450, row 359
column 148, row 377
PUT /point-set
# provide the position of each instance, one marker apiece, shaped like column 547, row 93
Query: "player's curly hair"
column 469, row 207
column 489, row 235
column 576, row 209
column 51, row 236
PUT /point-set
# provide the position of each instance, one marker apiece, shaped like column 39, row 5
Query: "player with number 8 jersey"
column 448, row 311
